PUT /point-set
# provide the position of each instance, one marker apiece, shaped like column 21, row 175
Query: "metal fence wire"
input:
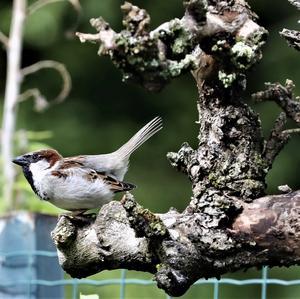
column 122, row 281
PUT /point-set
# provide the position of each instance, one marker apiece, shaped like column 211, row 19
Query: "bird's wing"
column 114, row 184
column 71, row 168
column 100, row 163
column 116, row 163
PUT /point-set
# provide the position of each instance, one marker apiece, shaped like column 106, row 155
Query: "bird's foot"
column 80, row 217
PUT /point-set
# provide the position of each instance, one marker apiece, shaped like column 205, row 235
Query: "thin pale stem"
column 59, row 67
column 3, row 39
column 292, row 131
column 41, row 3
column 12, row 90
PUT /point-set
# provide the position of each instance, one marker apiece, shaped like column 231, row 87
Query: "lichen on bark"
column 292, row 36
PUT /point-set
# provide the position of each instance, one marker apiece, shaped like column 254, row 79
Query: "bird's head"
column 36, row 165
column 40, row 158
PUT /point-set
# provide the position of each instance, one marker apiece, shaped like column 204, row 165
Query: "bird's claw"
column 79, row 217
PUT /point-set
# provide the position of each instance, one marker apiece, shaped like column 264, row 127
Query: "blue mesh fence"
column 123, row 281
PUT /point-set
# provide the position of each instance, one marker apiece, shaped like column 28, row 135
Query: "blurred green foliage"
column 101, row 112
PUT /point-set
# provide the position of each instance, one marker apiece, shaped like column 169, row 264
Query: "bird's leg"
column 78, row 212
column 79, row 216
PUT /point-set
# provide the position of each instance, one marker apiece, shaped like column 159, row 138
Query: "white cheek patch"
column 39, row 170
column 39, row 167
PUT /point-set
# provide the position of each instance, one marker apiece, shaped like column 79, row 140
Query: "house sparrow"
column 82, row 182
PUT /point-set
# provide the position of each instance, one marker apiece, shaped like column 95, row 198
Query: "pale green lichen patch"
column 158, row 266
column 143, row 221
column 226, row 79
column 183, row 42
column 179, row 46
column 219, row 46
column 243, row 56
column 175, row 68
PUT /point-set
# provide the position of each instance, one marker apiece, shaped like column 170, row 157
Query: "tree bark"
column 292, row 36
column 229, row 223
column 181, row 248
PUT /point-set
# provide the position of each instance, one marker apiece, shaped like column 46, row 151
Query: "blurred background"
column 102, row 112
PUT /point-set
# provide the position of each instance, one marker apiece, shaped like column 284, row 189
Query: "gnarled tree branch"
column 292, row 36
column 260, row 235
column 283, row 96
column 153, row 58
column 229, row 223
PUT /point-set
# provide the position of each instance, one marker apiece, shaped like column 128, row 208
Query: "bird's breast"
column 74, row 193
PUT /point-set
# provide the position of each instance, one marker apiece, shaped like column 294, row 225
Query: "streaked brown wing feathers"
column 72, row 167
column 114, row 184
column 69, row 163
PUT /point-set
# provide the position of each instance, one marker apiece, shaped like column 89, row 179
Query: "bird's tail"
column 140, row 137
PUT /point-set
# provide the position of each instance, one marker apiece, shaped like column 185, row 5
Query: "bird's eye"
column 35, row 157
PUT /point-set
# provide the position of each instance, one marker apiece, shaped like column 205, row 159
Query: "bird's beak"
column 20, row 161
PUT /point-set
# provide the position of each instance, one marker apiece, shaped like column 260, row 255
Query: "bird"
column 83, row 182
